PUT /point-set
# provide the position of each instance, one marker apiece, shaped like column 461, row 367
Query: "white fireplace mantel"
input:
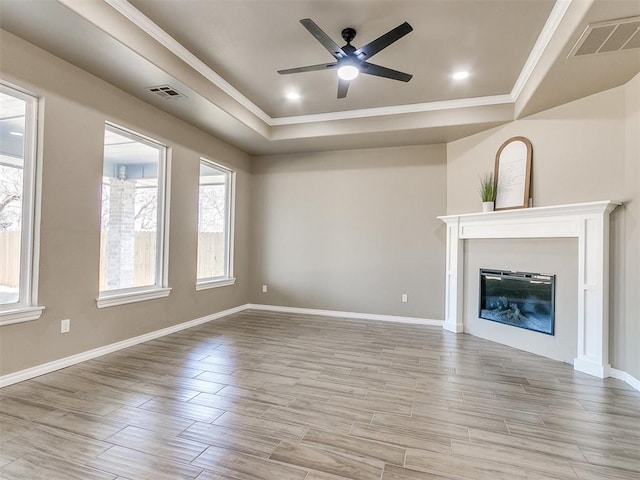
column 588, row 222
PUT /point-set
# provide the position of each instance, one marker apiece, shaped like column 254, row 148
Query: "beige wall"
column 350, row 230
column 341, row 230
column 625, row 333
column 578, row 154
column 586, row 150
column 75, row 107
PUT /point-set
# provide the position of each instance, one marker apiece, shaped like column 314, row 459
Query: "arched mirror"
column 513, row 174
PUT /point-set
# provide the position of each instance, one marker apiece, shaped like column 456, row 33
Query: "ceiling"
column 223, row 56
column 246, row 42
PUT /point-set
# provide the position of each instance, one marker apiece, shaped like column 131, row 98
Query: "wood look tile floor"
column 272, row 396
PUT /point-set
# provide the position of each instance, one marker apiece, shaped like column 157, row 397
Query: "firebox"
column 520, row 299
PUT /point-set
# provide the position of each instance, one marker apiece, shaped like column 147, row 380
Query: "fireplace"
column 519, row 299
column 588, row 222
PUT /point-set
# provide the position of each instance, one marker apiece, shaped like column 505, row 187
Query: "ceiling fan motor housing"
column 348, row 34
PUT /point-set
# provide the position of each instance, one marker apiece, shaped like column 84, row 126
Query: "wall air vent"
column 167, row 92
column 604, row 37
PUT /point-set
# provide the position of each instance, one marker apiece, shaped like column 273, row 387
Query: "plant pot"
column 487, row 207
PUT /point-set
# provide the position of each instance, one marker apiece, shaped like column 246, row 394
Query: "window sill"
column 20, row 314
column 114, row 299
column 207, row 284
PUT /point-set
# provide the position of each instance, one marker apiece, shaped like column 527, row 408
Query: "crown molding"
column 549, row 29
column 396, row 110
column 152, row 29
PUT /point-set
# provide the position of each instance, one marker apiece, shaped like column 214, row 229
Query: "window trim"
column 27, row 309
column 160, row 289
column 230, row 202
column 215, row 283
column 131, row 295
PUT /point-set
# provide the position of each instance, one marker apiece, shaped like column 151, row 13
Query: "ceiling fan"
column 350, row 61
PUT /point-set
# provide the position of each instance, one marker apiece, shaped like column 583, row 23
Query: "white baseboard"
column 38, row 370
column 335, row 313
column 625, row 377
column 590, row 367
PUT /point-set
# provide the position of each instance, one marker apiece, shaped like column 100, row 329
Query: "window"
column 18, row 262
column 132, row 240
column 215, row 226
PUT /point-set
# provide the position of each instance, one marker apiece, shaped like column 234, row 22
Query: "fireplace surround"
column 588, row 222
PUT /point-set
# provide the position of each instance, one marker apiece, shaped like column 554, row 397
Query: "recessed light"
column 17, row 134
column 293, row 96
column 460, row 75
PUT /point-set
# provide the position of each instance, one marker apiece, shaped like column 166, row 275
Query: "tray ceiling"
column 223, row 57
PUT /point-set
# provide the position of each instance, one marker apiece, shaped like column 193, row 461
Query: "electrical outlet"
column 264, row 289
column 65, row 325
column 405, row 299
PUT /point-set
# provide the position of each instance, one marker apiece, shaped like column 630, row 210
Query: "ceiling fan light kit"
column 348, row 71
column 350, row 62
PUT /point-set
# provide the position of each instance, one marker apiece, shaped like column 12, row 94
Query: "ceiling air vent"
column 611, row 36
column 167, row 92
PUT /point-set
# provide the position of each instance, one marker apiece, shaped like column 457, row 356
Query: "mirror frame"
column 513, row 161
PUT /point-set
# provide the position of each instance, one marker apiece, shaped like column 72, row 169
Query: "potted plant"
column 487, row 192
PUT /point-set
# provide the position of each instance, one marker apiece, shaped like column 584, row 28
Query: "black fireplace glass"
column 520, row 299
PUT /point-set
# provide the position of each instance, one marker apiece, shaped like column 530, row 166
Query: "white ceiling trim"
column 550, row 27
column 151, row 28
column 148, row 26
column 396, row 109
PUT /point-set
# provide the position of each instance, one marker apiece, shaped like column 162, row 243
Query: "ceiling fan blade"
column 371, row 48
column 323, row 38
column 378, row 71
column 343, row 86
column 310, row 68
